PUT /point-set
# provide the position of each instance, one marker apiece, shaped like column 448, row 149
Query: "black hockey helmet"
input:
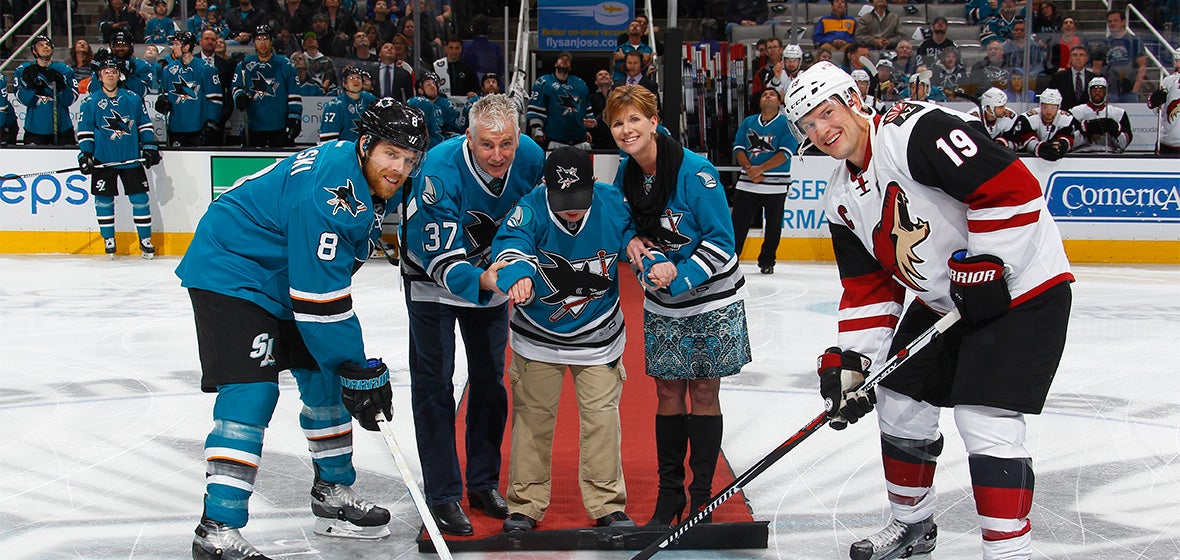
column 397, row 123
column 186, row 38
column 357, row 70
column 263, row 30
column 428, row 75
column 43, row 37
column 122, row 37
column 106, row 62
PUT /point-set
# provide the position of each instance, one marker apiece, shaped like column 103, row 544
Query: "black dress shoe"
column 451, row 519
column 489, row 501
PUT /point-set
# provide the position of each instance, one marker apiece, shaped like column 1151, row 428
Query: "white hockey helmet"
column 921, row 77
column 812, row 88
column 993, row 98
column 1050, row 97
column 792, row 51
column 859, row 75
column 1097, row 82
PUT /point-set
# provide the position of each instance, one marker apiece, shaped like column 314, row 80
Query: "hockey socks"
column 141, row 212
column 104, row 210
column 909, row 475
column 233, row 449
column 327, row 425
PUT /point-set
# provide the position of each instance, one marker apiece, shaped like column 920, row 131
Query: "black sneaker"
column 519, row 523
column 616, row 519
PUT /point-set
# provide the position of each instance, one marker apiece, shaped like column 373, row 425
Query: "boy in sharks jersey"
column 763, row 148
column 926, row 202
column 191, row 96
column 562, row 244
column 269, row 273
column 266, row 90
column 113, row 127
column 559, row 108
column 466, row 188
column 339, row 121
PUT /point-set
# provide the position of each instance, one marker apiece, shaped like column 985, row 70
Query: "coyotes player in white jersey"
column 926, row 203
column 1045, row 131
column 1101, row 127
column 998, row 120
column 1167, row 100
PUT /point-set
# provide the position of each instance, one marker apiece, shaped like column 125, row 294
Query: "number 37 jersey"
column 934, row 182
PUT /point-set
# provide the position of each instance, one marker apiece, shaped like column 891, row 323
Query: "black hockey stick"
column 734, row 487
column 68, row 169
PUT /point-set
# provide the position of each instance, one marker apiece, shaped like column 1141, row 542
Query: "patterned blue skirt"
column 705, row 346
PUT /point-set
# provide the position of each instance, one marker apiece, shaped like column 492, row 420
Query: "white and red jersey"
column 1170, row 129
column 1031, row 130
column 1000, row 130
column 1087, row 140
column 934, row 183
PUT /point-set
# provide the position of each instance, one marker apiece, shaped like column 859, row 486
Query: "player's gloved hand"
column 978, row 287
column 294, row 127
column 1091, row 127
column 1157, row 99
column 151, row 157
column 538, row 134
column 29, row 74
column 212, row 132
column 366, row 392
column 86, row 163
column 1110, row 126
column 841, row 378
column 55, row 77
column 163, row 104
column 242, row 101
column 1052, row 150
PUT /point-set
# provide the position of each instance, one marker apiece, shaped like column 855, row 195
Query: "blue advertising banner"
column 1113, row 196
column 582, row 25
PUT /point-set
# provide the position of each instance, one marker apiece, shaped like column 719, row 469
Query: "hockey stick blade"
column 815, row 424
column 68, row 169
column 436, row 538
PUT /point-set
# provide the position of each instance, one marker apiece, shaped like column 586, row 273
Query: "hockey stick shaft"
column 771, row 458
column 436, row 538
column 69, row 169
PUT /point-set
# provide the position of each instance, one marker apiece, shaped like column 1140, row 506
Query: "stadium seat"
column 962, row 34
column 954, row 13
column 748, row 33
column 816, row 11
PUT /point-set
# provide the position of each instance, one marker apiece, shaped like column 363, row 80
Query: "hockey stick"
column 734, row 487
column 440, row 545
column 68, row 169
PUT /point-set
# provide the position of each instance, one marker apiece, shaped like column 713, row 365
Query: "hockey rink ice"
column 103, row 424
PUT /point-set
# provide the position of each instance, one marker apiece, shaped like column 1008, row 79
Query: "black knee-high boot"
column 671, row 447
column 704, row 435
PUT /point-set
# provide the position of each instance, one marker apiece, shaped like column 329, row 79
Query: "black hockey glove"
column 1157, row 99
column 978, row 287
column 242, row 101
column 1091, row 127
column 163, row 104
column 55, row 77
column 294, row 127
column 366, row 392
column 29, row 74
column 86, row 163
column 1110, row 126
column 1052, row 150
column 841, row 378
column 151, row 156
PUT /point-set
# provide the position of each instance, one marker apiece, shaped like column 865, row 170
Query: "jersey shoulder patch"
column 900, row 112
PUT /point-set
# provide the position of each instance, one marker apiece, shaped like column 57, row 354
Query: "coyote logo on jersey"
column 896, row 235
column 576, row 283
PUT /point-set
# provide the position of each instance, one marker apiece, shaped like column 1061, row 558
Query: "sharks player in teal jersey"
column 563, row 243
column 8, row 128
column 269, row 272
column 191, row 96
column 466, row 188
column 443, row 119
column 113, row 127
column 266, row 89
column 763, row 148
column 47, row 89
column 559, row 108
column 339, row 121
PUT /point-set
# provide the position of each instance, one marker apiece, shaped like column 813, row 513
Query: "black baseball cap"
column 569, row 179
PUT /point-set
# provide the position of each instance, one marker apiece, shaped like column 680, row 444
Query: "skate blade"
column 343, row 529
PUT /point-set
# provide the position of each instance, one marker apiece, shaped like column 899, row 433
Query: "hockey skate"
column 340, row 512
column 147, row 250
column 109, row 246
column 215, row 541
column 897, row 540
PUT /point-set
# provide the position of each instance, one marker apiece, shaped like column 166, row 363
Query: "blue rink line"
column 1047, row 412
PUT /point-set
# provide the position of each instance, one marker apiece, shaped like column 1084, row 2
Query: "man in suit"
column 633, row 73
column 1073, row 82
column 225, row 73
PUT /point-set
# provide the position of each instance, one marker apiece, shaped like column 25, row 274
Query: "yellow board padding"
column 1078, row 250
column 89, row 243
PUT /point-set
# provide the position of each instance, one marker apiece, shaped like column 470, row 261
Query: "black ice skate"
column 340, row 512
column 215, row 541
column 897, row 540
column 147, row 250
column 109, row 246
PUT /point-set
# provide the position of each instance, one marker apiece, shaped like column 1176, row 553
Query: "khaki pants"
column 536, row 390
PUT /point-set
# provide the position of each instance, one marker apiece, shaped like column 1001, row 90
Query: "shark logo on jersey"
column 344, row 198
column 759, row 144
column 429, row 193
column 707, row 179
column 671, row 239
column 569, row 103
column 261, row 86
column 183, row 90
column 480, row 232
column 117, row 124
column 896, row 235
column 576, row 283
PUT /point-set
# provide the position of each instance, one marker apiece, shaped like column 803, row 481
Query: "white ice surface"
column 103, row 424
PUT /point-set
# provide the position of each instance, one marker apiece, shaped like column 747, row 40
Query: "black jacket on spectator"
column 1063, row 81
column 134, row 20
column 753, row 10
column 643, row 81
column 246, row 22
column 298, row 23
